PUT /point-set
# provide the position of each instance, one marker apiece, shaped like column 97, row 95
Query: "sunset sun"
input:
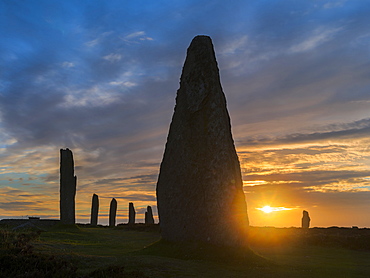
column 266, row 209
column 269, row 209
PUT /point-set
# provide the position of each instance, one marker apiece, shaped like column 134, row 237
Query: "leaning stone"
column 68, row 183
column 131, row 214
column 149, row 216
column 200, row 190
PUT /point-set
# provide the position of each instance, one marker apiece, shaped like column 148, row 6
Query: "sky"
column 100, row 78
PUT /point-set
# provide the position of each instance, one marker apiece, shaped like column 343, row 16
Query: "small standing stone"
column 305, row 220
column 131, row 214
column 149, row 216
column 68, row 183
column 112, row 213
column 94, row 210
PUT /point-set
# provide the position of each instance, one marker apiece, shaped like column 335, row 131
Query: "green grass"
column 97, row 249
column 318, row 261
column 93, row 248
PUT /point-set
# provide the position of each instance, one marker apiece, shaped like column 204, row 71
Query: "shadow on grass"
column 204, row 252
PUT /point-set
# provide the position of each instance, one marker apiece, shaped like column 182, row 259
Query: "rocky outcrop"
column 94, row 210
column 68, row 183
column 199, row 190
column 149, row 216
column 131, row 214
column 112, row 213
column 306, row 220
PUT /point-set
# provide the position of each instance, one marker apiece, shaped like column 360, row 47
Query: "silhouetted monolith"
column 131, row 214
column 199, row 190
column 94, row 210
column 305, row 220
column 68, row 183
column 112, row 213
column 149, row 216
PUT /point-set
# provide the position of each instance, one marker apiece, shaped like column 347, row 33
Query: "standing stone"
column 94, row 210
column 305, row 220
column 131, row 214
column 149, row 216
column 200, row 190
column 68, row 183
column 112, row 213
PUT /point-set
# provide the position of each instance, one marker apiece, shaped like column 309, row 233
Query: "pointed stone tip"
column 201, row 40
column 199, row 53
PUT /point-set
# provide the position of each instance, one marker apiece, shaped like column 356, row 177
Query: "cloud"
column 235, row 45
column 334, row 4
column 136, row 36
column 99, row 39
column 94, row 96
column 137, row 179
column 101, row 79
column 113, row 57
column 318, row 37
column 124, row 84
column 336, row 132
column 294, row 168
column 138, row 197
column 68, row 65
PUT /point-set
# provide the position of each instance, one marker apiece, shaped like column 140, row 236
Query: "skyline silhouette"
column 100, row 79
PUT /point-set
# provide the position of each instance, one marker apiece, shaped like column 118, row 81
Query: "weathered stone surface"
column 112, row 213
column 199, row 190
column 131, row 214
column 94, row 210
column 68, row 183
column 305, row 220
column 149, row 215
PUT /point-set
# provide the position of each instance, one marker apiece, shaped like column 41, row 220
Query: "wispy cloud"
column 334, row 4
column 94, row 96
column 334, row 132
column 317, row 37
column 136, row 36
column 234, row 46
column 68, row 65
column 98, row 39
column 113, row 57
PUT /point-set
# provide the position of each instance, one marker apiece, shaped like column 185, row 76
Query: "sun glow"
column 268, row 209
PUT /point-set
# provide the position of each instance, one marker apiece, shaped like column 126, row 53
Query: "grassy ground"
column 90, row 249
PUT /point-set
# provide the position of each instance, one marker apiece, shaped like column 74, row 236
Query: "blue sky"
column 100, row 77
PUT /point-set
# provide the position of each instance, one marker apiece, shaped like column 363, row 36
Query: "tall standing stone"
column 94, row 210
column 131, row 214
column 112, row 213
column 149, row 216
column 305, row 220
column 68, row 183
column 200, row 190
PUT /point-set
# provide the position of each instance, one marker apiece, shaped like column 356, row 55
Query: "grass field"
column 130, row 253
